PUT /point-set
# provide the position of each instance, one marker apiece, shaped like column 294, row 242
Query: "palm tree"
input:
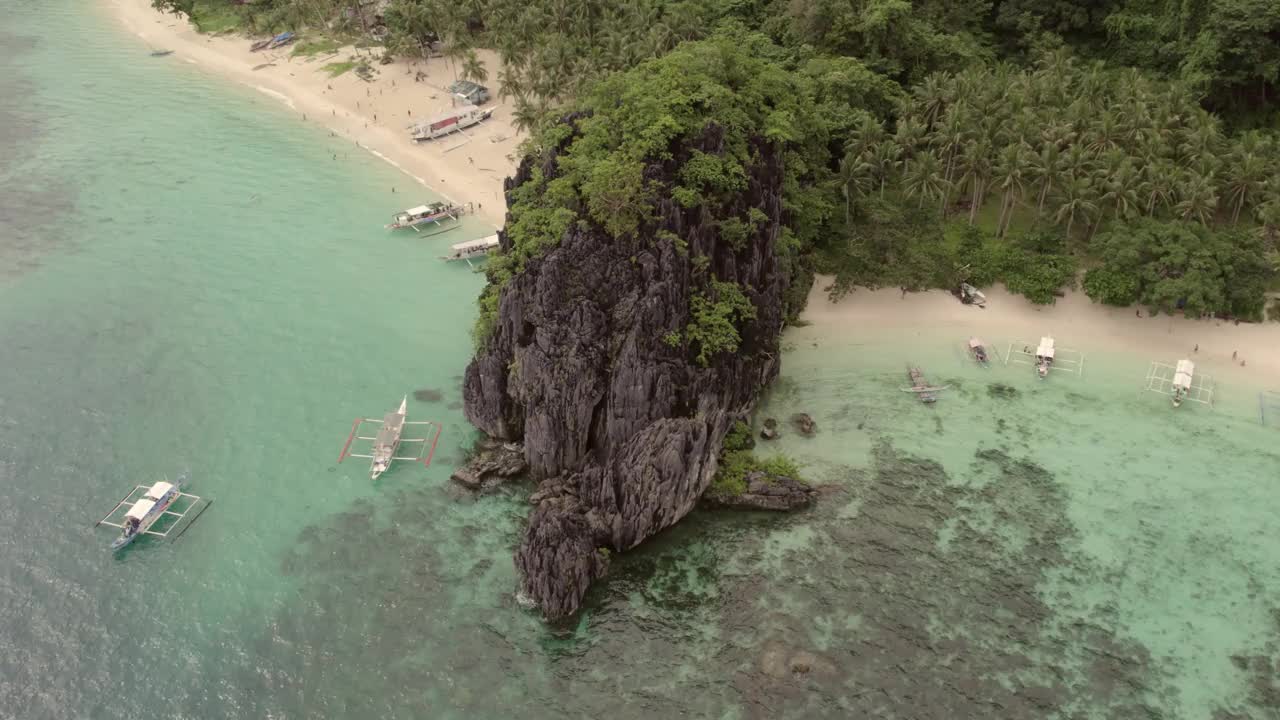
column 866, row 133
column 525, row 116
column 1121, row 190
column 1009, row 175
column 930, row 98
column 1077, row 200
column 1045, row 169
column 975, row 164
column 1247, row 175
column 949, row 137
column 909, row 135
column 473, row 68
column 884, row 159
column 1199, row 198
column 854, row 180
column 1161, row 182
column 923, row 178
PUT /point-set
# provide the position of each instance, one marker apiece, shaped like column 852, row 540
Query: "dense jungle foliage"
column 931, row 141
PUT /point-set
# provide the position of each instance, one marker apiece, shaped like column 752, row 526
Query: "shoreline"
column 373, row 114
column 1075, row 320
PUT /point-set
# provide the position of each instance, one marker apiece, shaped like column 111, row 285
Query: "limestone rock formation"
column 492, row 463
column 621, row 425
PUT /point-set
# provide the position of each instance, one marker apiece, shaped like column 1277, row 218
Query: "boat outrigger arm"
column 140, row 492
column 388, row 440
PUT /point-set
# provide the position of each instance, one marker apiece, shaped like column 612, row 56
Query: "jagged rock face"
column 623, row 429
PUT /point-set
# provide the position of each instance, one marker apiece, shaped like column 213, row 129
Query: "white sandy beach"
column 374, row 114
column 1074, row 320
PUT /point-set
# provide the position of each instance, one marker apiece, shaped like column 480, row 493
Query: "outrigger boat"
column 1044, row 356
column 979, row 351
column 433, row 213
column 148, row 508
column 388, row 440
column 471, row 249
column 460, row 118
column 925, row 392
column 970, row 295
column 1182, row 375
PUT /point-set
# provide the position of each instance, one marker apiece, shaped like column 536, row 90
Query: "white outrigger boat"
column 151, row 504
column 433, row 213
column 1182, row 375
column 471, row 249
column 388, row 440
column 451, row 122
column 1044, row 356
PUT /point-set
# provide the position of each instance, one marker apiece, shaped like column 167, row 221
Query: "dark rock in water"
column 765, row 492
column 428, row 395
column 804, row 423
column 492, row 463
column 770, row 429
column 623, row 427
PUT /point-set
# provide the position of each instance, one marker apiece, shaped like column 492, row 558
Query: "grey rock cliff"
column 621, row 428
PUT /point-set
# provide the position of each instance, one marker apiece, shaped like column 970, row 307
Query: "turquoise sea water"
column 189, row 280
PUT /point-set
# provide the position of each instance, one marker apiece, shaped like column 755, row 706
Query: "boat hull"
column 161, row 506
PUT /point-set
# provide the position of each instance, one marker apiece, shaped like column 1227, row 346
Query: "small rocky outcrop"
column 493, row 463
column 804, row 424
column 765, row 492
column 770, row 429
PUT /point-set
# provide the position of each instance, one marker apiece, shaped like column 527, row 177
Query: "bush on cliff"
column 620, row 151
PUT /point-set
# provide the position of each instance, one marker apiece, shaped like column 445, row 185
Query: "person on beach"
column 1233, row 354
column 1138, row 313
column 1197, row 348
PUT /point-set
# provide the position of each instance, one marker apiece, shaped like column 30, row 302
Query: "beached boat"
column 435, row 213
column 923, row 390
column 979, row 350
column 1182, row 375
column 161, row 53
column 471, row 249
column 146, row 511
column 281, row 40
column 451, row 122
column 970, row 295
column 260, row 45
column 1044, row 356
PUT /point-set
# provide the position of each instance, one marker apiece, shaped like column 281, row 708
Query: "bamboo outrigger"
column 388, row 440
column 925, row 392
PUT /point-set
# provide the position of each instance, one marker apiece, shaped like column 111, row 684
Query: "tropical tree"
column 855, row 179
column 922, row 178
column 1077, row 200
column 1009, row 175
column 1246, row 176
column 1198, row 198
column 884, row 160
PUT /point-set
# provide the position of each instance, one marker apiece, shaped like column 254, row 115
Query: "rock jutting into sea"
column 493, row 463
column 765, row 492
column 621, row 425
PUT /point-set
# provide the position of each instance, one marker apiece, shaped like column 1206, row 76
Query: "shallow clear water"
column 189, row 280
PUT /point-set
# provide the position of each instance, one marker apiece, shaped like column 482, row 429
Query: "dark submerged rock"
column 770, row 429
column 492, row 463
column 622, row 428
column 766, row 492
column 804, row 423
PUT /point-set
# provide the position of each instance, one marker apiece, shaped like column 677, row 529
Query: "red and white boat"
column 451, row 122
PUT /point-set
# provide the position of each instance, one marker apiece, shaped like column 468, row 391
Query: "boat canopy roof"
column 484, row 242
column 140, row 509
column 158, row 490
column 1046, row 347
column 975, row 343
column 420, row 210
column 1182, row 375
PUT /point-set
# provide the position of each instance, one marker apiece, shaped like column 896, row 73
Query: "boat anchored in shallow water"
column 1044, row 356
column 471, row 249
column 147, row 505
column 924, row 391
column 436, row 213
column 388, row 440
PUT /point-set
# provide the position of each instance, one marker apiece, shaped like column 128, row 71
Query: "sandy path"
column 374, row 114
column 1074, row 320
